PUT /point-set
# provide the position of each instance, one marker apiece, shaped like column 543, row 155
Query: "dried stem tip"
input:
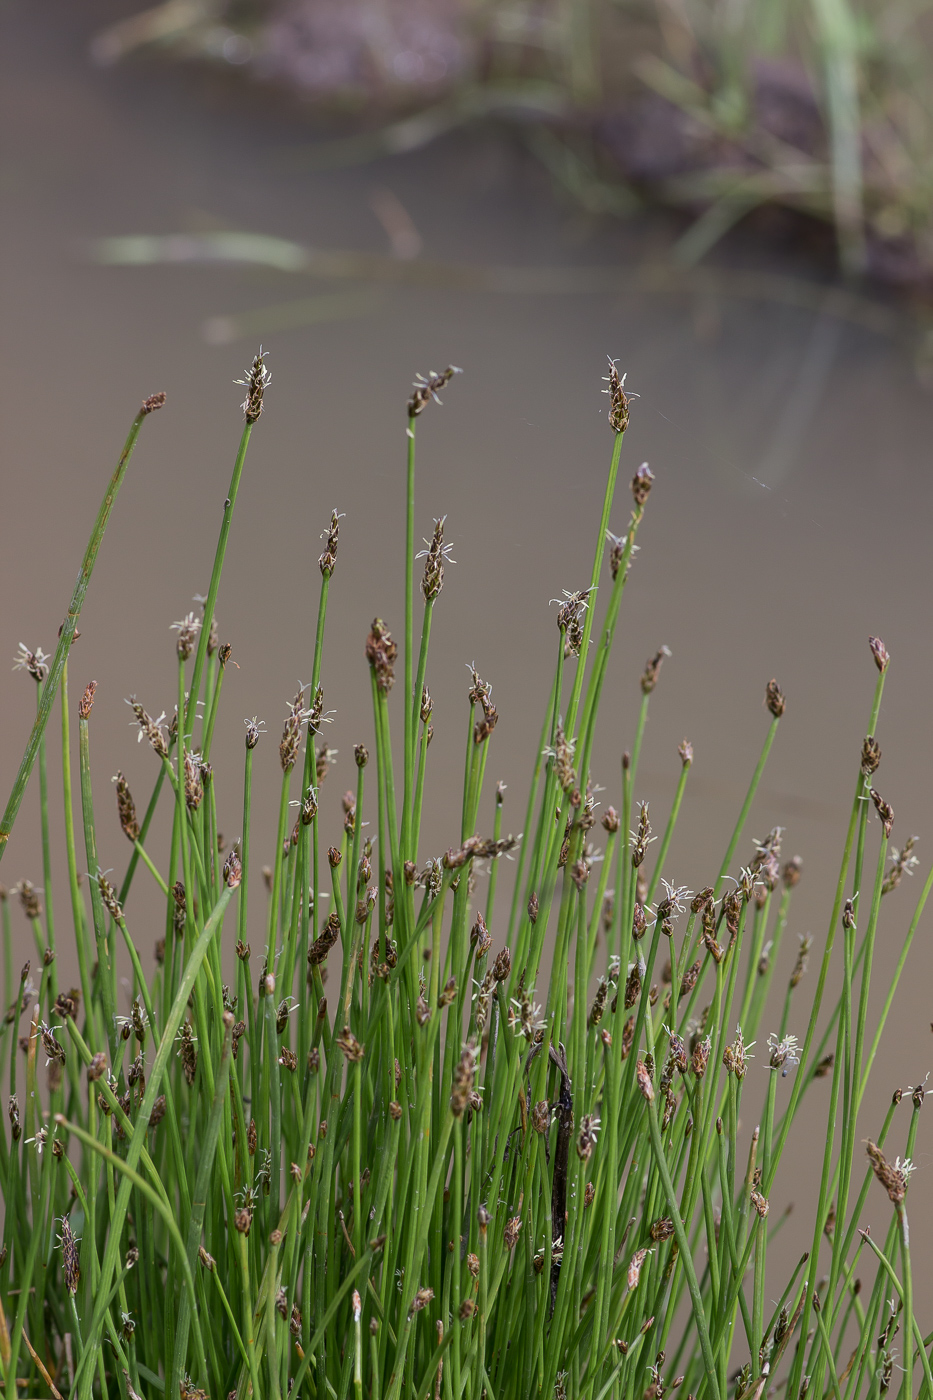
column 774, row 699
column 426, row 388
column 256, row 382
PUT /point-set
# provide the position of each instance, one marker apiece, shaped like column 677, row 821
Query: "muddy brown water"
column 790, row 519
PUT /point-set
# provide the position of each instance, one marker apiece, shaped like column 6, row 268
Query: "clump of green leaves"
column 431, row 1178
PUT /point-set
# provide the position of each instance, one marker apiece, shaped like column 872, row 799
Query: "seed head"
column 511, row 1232
column 650, row 678
column 464, row 1073
column 256, row 382
column 586, row 1139
column 884, row 809
column 194, row 786
column 86, row 703
column 97, row 1067
column 502, row 965
column 792, row 872
column 154, row 402
column 322, row 945
column 643, row 1076
column 420, row 1301
column 803, row 957
column 642, row 482
column 635, row 1267
column 126, row 808
column 871, row 756
column 350, row 1046
column 381, row 652
column 29, row 900
column 71, row 1268
column 880, row 652
column 774, row 699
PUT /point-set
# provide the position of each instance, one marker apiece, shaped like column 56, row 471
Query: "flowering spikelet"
column 880, row 653
column 381, row 652
column 635, row 1266
column 291, row 733
column 71, row 1268
column 187, row 630
column 643, row 1076
column 652, row 667
column 256, row 382
column 435, row 557
column 322, row 945
column 32, row 661
column 562, row 754
column 187, row 1053
column 126, row 808
column 233, row 868
column 86, row 703
column 774, row 699
column 884, row 809
column 902, row 863
column 194, row 785
column 642, row 482
column 642, row 838
column 28, row 898
column 149, row 728
column 426, row 388
column 328, row 559
column 618, row 399
column 464, row 1073
column 893, row 1179
column 109, row 896
column 586, row 1139
column 570, row 619
column 350, row 1046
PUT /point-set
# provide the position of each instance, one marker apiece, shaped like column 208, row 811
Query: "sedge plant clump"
column 436, row 1176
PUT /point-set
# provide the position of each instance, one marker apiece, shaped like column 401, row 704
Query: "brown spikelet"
column 381, row 652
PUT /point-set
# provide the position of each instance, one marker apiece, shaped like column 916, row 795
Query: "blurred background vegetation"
column 812, row 117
